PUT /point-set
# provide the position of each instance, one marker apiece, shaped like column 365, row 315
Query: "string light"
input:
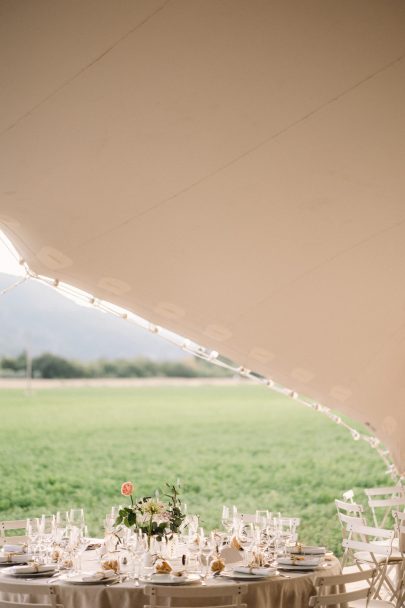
column 198, row 351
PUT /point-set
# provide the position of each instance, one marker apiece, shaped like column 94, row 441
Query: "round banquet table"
column 273, row 592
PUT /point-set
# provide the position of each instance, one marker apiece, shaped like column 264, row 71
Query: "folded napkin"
column 230, row 555
column 307, row 550
column 98, row 576
column 13, row 549
column 20, row 558
column 32, row 568
column 300, row 560
column 263, row 571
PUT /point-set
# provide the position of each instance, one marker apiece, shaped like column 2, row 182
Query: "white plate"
column 241, row 576
column 9, row 572
column 304, row 563
column 77, row 579
column 303, row 568
column 17, row 560
column 167, row 579
column 307, row 550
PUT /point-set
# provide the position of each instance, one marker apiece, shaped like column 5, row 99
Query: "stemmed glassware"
column 205, row 550
column 262, row 518
column 227, row 520
column 81, row 542
column 137, row 546
column 193, row 550
column 61, row 525
column 76, row 518
column 246, row 538
column 34, row 530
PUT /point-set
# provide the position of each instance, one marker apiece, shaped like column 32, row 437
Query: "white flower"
column 153, row 507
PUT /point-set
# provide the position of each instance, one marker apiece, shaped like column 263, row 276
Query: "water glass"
column 76, row 518
column 246, row 538
column 226, row 519
column 34, row 530
column 60, row 526
column 262, row 519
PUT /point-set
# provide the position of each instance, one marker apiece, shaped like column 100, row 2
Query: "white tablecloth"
column 274, row 592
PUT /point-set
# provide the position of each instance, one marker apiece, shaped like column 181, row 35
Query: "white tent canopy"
column 232, row 170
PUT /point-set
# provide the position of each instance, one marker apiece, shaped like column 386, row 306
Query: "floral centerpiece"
column 150, row 514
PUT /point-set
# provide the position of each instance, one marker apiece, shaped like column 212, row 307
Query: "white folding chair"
column 348, row 496
column 385, row 498
column 13, row 526
column 350, row 509
column 399, row 518
column 348, row 513
column 371, row 551
column 224, row 597
column 361, row 596
column 15, row 593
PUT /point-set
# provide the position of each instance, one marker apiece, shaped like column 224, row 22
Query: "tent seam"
column 84, row 69
column 272, row 137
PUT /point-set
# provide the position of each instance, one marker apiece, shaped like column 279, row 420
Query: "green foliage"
column 143, row 513
column 240, row 445
column 16, row 365
column 52, row 366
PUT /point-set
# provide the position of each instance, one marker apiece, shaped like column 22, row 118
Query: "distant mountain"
column 37, row 315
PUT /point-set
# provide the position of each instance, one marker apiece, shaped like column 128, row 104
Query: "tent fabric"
column 230, row 170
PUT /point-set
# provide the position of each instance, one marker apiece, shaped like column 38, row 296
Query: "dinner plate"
column 308, row 550
column 303, row 568
column 300, row 562
column 245, row 576
column 45, row 573
column 166, row 579
column 77, row 579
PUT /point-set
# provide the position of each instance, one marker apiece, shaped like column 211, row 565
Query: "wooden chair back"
column 47, row 596
column 342, row 598
column 224, row 597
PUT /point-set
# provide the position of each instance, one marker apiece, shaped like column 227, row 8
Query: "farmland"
column 239, row 445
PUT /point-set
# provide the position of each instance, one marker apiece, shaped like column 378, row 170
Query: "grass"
column 238, row 445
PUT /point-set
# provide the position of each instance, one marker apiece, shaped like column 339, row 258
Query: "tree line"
column 48, row 365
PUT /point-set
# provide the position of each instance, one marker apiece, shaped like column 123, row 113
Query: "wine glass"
column 246, row 538
column 226, row 519
column 136, row 547
column 115, row 511
column 60, row 526
column 82, row 542
column 206, row 550
column 76, row 518
column 109, row 522
column 35, row 529
column 47, row 534
column 262, row 518
column 193, row 549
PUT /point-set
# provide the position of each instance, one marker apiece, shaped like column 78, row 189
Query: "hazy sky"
column 8, row 263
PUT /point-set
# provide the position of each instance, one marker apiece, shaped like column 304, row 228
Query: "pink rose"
column 127, row 488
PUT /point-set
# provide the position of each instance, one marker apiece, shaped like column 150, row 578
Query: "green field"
column 240, row 445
